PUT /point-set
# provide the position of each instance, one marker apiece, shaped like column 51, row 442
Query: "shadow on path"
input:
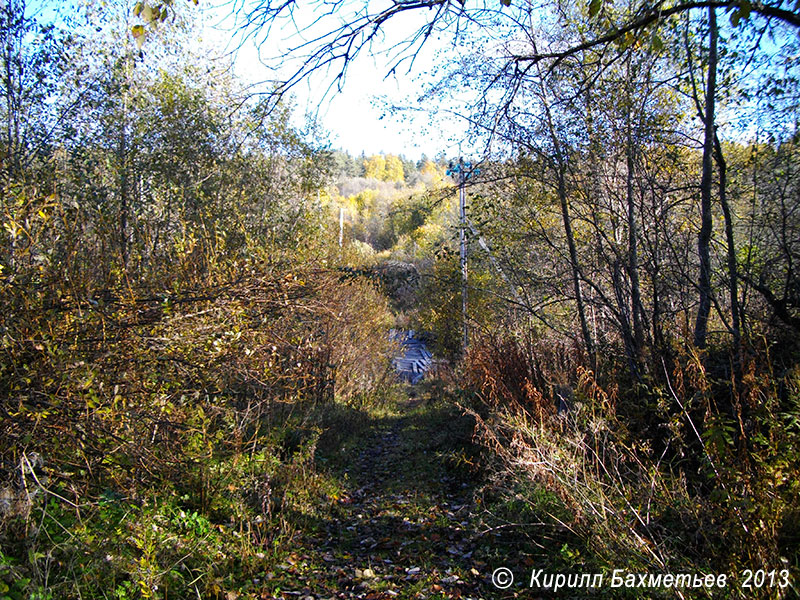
column 405, row 527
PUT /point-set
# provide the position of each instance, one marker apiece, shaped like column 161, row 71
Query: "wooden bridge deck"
column 414, row 360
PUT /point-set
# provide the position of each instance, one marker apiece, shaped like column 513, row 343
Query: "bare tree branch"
column 652, row 16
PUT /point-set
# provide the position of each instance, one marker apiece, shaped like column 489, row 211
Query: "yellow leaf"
column 138, row 35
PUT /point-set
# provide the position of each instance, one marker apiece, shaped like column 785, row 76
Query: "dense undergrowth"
column 153, row 447
column 683, row 473
column 168, row 446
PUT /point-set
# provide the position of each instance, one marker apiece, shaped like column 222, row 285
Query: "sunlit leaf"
column 628, row 40
column 138, row 34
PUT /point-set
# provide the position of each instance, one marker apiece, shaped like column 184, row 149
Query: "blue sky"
column 356, row 117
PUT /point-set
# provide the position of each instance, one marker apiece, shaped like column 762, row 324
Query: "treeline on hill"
column 172, row 317
column 384, row 199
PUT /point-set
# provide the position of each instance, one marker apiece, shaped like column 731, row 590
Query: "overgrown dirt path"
column 405, row 524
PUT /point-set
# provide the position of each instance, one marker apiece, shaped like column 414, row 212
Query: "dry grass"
column 715, row 492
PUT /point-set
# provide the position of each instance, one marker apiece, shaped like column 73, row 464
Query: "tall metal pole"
column 462, row 200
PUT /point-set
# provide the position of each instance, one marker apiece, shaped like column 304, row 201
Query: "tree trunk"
column 706, row 182
column 595, row 187
column 561, row 169
column 122, row 157
column 633, row 257
column 573, row 258
column 624, row 318
column 14, row 30
column 732, row 269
